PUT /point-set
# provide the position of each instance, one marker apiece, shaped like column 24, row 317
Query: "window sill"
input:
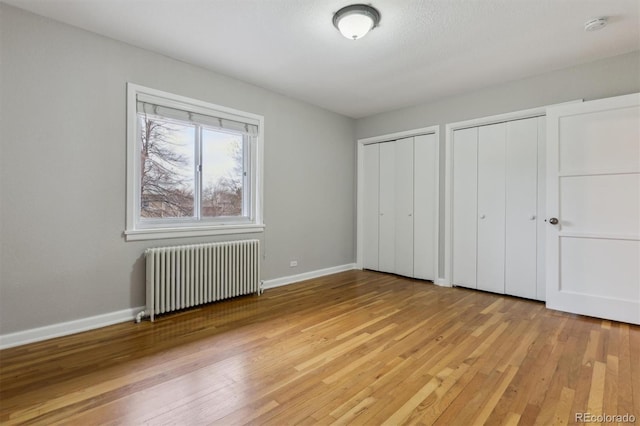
column 164, row 233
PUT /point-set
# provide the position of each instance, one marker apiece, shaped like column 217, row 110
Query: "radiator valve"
column 140, row 315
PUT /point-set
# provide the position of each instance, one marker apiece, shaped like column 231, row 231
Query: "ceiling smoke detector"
column 595, row 24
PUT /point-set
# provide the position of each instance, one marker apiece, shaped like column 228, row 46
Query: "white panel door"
column 424, row 214
column 593, row 205
column 491, row 207
column 404, row 206
column 464, row 207
column 370, row 215
column 387, row 208
column 521, row 188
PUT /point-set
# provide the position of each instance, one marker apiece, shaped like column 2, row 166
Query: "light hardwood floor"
column 357, row 347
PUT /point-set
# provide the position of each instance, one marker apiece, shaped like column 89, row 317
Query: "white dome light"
column 356, row 20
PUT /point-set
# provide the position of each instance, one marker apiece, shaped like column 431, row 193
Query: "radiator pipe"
column 140, row 315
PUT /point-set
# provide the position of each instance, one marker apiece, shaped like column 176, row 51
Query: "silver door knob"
column 553, row 221
column 532, row 217
column 482, row 216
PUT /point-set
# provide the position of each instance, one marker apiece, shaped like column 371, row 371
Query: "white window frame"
column 159, row 229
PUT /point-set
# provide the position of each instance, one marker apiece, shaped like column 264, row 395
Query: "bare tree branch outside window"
column 166, row 169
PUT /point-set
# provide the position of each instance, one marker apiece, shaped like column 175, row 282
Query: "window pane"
column 222, row 174
column 167, row 175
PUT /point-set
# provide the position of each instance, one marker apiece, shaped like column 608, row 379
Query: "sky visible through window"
column 218, row 149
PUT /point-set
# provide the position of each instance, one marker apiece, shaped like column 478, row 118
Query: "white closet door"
column 424, row 213
column 521, row 207
column 491, row 207
column 404, row 207
column 370, row 215
column 387, row 208
column 593, row 204
column 465, row 207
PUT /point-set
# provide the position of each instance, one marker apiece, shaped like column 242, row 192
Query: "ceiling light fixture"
column 356, row 20
column 595, row 24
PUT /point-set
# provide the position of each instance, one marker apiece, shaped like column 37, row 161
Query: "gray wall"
column 611, row 77
column 62, row 158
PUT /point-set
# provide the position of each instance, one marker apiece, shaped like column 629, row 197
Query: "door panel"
column 387, row 210
column 465, row 207
column 594, row 154
column 370, row 215
column 615, row 210
column 424, row 212
column 404, row 207
column 491, row 207
column 600, row 141
column 521, row 207
column 617, row 262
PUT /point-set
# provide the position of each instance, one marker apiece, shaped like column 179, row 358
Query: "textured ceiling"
column 423, row 49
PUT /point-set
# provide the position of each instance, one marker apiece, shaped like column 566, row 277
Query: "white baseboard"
column 84, row 324
column 442, row 282
column 277, row 282
column 66, row 328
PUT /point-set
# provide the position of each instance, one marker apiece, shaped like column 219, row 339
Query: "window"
column 193, row 167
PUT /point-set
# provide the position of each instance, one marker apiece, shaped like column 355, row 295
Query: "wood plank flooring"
column 357, row 347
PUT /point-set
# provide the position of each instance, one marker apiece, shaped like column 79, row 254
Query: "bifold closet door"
column 404, row 207
column 395, row 235
column 495, row 192
column 465, row 207
column 491, row 208
column 399, row 209
column 521, row 191
column 387, row 208
column 425, row 169
column 370, row 214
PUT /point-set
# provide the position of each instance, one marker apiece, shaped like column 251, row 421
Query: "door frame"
column 389, row 137
column 448, row 186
